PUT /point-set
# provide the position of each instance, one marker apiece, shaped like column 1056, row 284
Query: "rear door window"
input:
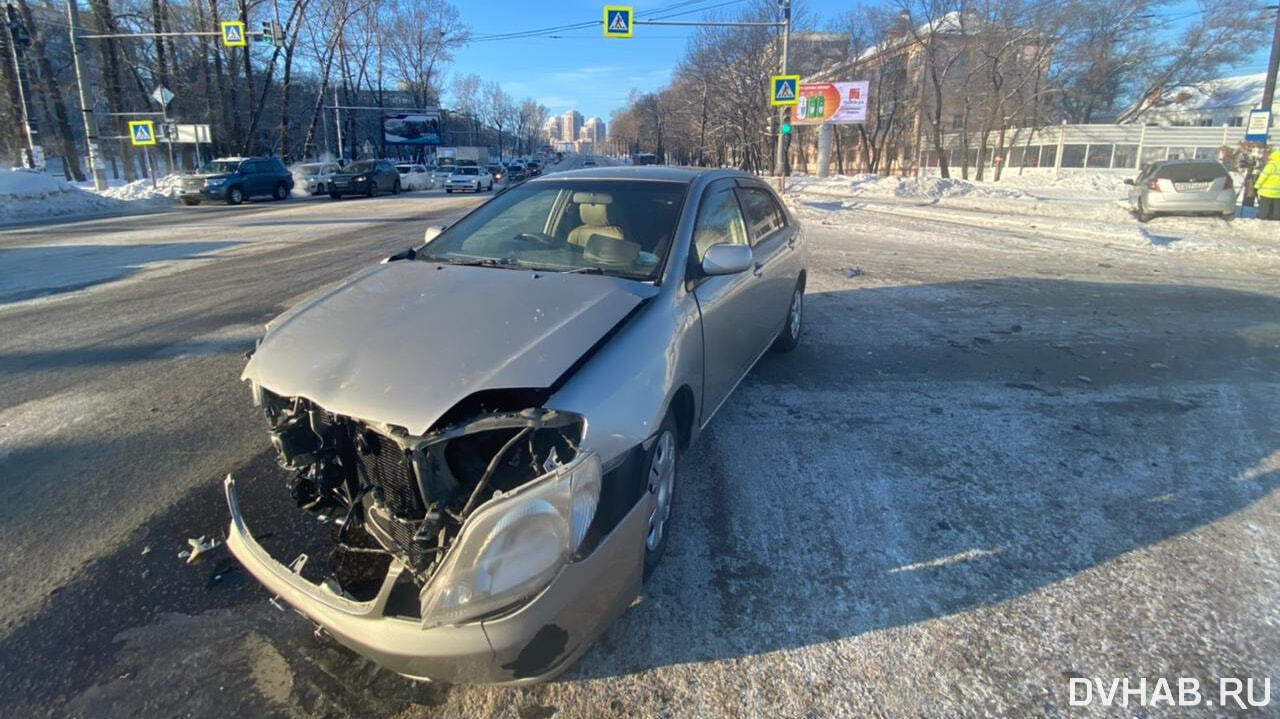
column 764, row 217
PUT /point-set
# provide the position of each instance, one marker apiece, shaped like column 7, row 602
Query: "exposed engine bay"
column 388, row 494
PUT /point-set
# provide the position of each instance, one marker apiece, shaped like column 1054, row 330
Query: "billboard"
column 421, row 128
column 833, row 102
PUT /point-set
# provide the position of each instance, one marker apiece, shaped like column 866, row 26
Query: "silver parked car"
column 1183, row 187
column 490, row 424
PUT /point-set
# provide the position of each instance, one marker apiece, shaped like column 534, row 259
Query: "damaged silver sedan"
column 489, row 425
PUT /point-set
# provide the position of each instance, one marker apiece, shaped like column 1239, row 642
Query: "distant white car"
column 475, row 179
column 442, row 172
column 414, row 177
column 314, row 176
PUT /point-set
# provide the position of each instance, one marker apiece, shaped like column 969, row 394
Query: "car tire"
column 490, row 185
column 448, row 191
column 1228, row 216
column 789, row 338
column 395, row 189
column 281, row 191
column 235, row 196
column 373, row 189
column 335, row 195
column 190, row 203
column 660, row 480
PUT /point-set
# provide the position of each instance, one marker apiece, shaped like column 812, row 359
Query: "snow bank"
column 924, row 188
column 27, row 195
column 166, row 188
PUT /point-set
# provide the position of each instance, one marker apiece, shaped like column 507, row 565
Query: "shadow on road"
column 928, row 450
column 30, row 272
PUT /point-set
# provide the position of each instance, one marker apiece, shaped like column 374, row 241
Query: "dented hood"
column 402, row 342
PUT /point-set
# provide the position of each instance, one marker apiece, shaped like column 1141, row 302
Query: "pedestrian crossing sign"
column 784, row 90
column 142, row 132
column 233, row 34
column 618, row 20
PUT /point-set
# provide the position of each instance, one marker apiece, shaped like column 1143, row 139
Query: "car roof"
column 647, row 172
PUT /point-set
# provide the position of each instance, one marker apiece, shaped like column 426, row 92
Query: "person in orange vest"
column 1268, row 187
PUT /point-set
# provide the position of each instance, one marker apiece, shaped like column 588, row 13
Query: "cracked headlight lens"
column 514, row 545
column 216, row 181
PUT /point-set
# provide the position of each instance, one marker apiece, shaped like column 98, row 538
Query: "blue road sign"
column 142, row 132
column 784, row 90
column 618, row 20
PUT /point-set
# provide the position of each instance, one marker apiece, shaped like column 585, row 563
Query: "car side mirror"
column 726, row 259
column 1128, row 181
column 433, row 232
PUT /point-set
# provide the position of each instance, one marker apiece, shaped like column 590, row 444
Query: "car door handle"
column 791, row 242
column 759, row 269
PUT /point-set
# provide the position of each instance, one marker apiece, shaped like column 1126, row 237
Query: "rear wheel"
column 660, row 476
column 235, row 196
column 1143, row 215
column 395, row 189
column 189, row 202
column 280, row 192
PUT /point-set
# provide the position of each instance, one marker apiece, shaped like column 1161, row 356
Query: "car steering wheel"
column 541, row 238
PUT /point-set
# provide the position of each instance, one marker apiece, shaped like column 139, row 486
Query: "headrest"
column 606, row 250
column 592, row 198
column 595, row 215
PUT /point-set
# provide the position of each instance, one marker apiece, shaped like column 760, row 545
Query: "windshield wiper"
column 472, row 262
column 584, row 270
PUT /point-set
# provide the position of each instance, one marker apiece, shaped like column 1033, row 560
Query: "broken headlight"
column 513, row 545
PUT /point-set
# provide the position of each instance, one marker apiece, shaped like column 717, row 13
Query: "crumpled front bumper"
column 533, row 643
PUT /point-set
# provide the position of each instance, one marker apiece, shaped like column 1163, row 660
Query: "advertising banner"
column 421, row 128
column 833, row 102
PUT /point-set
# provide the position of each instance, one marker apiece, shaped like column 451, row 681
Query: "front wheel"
column 448, row 191
column 373, row 188
column 189, row 202
column 790, row 337
column 335, row 195
column 490, row 187
column 235, row 196
column 660, row 478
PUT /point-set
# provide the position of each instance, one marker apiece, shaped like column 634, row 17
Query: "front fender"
column 625, row 389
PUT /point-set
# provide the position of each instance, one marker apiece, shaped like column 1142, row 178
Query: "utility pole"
column 18, row 37
column 86, row 109
column 337, row 122
column 780, row 157
column 1269, row 93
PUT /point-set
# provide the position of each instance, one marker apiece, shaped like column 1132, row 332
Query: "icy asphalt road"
column 999, row 460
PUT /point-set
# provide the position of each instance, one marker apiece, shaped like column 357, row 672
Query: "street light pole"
column 96, row 166
column 17, row 35
column 780, row 157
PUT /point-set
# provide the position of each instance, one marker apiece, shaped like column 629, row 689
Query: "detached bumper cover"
column 534, row 643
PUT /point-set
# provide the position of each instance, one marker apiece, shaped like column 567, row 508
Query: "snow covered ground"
column 1088, row 210
column 29, row 196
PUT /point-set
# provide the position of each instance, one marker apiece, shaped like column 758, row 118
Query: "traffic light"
column 267, row 35
column 273, row 33
column 786, row 121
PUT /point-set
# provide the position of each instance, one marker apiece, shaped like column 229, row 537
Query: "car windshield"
column 357, row 167
column 619, row 228
column 219, row 166
column 313, row 169
column 466, row 171
column 448, row 168
column 404, row 169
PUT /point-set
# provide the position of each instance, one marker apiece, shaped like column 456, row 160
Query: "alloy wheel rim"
column 662, row 479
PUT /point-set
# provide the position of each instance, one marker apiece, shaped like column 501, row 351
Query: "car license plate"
column 1191, row 186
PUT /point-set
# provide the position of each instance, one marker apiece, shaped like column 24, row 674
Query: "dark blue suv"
column 236, row 179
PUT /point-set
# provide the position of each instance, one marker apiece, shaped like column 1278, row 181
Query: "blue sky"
column 586, row 71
